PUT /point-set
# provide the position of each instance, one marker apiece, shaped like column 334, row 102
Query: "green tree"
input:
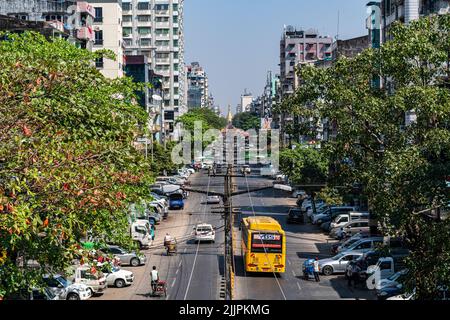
column 68, row 166
column 246, row 121
column 401, row 167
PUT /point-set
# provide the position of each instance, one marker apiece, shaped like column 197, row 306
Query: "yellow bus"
column 263, row 245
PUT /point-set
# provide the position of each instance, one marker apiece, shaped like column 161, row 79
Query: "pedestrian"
column 154, row 278
column 316, row 269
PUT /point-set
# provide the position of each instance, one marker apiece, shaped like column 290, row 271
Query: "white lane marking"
column 298, row 285
column 179, row 265
column 293, row 273
column 167, row 298
column 173, row 283
column 177, row 271
column 185, row 249
column 289, row 262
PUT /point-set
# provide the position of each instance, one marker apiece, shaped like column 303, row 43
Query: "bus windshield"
column 267, row 242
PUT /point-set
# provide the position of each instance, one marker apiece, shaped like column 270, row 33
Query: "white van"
column 344, row 218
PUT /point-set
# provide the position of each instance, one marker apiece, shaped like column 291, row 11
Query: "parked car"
column 204, row 232
column 295, row 215
column 65, row 289
column 299, row 194
column 347, row 242
column 330, row 214
column 176, row 201
column 212, row 199
column 338, row 263
column 34, row 294
column 350, row 228
column 94, row 279
column 391, row 286
column 363, row 245
column 126, row 258
column 345, row 218
column 118, row 277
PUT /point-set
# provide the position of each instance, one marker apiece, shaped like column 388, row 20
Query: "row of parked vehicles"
column 82, row 281
column 374, row 262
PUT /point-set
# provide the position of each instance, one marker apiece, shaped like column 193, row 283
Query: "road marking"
column 298, row 285
column 173, row 283
column 167, row 298
column 177, row 271
column 179, row 265
column 185, row 249
column 289, row 262
column 293, row 273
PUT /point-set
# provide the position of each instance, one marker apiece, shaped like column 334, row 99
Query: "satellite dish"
column 156, row 97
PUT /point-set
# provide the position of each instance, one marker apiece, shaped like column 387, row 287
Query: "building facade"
column 246, row 101
column 108, row 35
column 198, row 87
column 73, row 17
column 154, row 28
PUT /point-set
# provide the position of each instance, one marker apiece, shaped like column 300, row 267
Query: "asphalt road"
column 302, row 242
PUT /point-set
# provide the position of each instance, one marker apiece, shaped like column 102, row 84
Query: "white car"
column 119, row 278
column 65, row 289
column 204, row 232
column 213, row 200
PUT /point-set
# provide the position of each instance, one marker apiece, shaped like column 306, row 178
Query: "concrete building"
column 408, row 10
column 108, row 35
column 198, row 87
column 299, row 47
column 73, row 17
column 246, row 101
column 154, row 28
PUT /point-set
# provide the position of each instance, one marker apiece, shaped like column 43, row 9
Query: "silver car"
column 338, row 263
column 126, row 258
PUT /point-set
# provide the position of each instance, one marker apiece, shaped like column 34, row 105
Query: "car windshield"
column 203, row 229
column 337, row 257
column 64, row 282
column 49, row 293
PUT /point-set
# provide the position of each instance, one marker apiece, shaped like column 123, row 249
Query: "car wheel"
column 135, row 262
column 119, row 283
column 73, row 296
column 327, row 270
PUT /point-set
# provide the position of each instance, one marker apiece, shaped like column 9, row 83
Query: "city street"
column 196, row 272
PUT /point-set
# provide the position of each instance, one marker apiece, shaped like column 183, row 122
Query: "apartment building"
column 72, row 17
column 409, row 10
column 108, row 35
column 246, row 101
column 198, row 87
column 154, row 28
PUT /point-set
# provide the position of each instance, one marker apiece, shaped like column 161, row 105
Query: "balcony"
column 162, row 60
column 85, row 33
column 163, row 48
column 126, row 24
column 162, row 36
column 85, row 7
column 162, row 12
column 162, row 25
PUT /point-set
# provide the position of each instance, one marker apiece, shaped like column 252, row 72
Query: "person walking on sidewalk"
column 316, row 269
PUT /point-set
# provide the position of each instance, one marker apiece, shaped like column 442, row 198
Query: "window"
column 144, row 18
column 175, row 55
column 175, row 43
column 162, row 31
column 175, row 78
column 98, row 37
column 385, row 265
column 143, row 5
column 99, row 63
column 162, row 19
column 126, row 6
column 175, row 31
column 176, row 67
column 161, row 7
column 144, row 30
column 364, row 245
column 127, row 31
column 145, row 42
column 175, row 19
column 175, row 90
column 127, row 18
column 175, row 7
column 98, row 15
column 176, row 102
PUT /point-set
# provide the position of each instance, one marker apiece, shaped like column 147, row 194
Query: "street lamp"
column 158, row 98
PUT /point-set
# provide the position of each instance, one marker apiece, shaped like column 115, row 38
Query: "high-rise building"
column 299, row 47
column 246, row 101
column 154, row 28
column 198, row 88
column 74, row 17
column 408, row 10
column 108, row 35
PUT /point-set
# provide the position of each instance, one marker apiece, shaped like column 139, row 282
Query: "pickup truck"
column 95, row 281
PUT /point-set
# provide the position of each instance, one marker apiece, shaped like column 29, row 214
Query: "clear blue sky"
column 237, row 41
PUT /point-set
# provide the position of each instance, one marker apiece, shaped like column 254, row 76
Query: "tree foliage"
column 401, row 167
column 68, row 167
column 246, row 121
